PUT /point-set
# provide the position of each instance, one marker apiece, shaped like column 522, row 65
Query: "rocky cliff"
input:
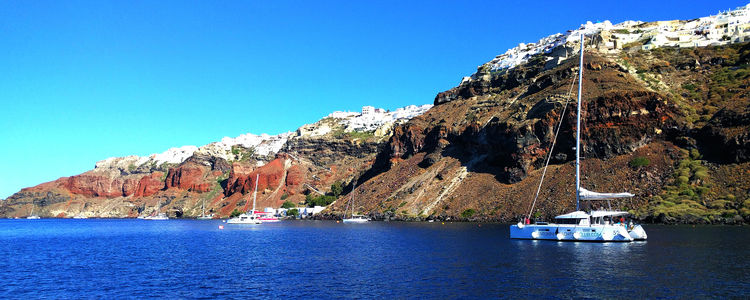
column 668, row 124
column 220, row 176
column 665, row 112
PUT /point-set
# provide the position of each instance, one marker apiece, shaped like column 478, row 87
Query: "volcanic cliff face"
column 479, row 151
column 220, row 176
column 665, row 115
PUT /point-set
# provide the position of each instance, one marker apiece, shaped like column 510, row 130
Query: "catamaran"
column 266, row 217
column 354, row 218
column 248, row 217
column 594, row 226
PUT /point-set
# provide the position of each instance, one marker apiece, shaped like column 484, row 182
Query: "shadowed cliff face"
column 510, row 136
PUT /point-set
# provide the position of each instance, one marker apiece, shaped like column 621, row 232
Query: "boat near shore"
column 594, row 226
column 353, row 218
column 250, row 217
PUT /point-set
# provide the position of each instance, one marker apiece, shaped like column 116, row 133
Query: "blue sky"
column 81, row 81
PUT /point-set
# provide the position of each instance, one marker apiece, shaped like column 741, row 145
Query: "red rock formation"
column 129, row 186
column 295, row 176
column 187, row 177
column 201, row 187
column 94, row 185
column 149, row 185
column 241, row 181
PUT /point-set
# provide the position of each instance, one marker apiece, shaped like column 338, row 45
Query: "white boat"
column 357, row 219
column 594, row 226
column 32, row 216
column 354, row 218
column 80, row 216
column 266, row 217
column 158, row 216
column 203, row 215
column 248, row 217
column 206, row 217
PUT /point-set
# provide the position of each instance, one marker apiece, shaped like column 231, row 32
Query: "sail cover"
column 589, row 195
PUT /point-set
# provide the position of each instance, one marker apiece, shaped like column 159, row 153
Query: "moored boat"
column 248, row 217
column 32, row 216
column 357, row 219
column 354, row 218
column 594, row 226
column 157, row 216
column 266, row 217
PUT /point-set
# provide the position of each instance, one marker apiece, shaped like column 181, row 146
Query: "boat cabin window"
column 606, row 220
column 571, row 221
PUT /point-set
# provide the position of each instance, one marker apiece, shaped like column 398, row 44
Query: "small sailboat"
column 594, row 226
column 354, row 218
column 203, row 215
column 32, row 216
column 80, row 216
column 248, row 217
column 158, row 216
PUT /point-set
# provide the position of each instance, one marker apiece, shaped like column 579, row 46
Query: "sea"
column 191, row 259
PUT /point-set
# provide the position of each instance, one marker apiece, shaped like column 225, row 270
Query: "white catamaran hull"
column 637, row 233
column 244, row 219
column 565, row 232
column 356, row 220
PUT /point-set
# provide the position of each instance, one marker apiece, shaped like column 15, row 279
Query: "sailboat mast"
column 255, row 191
column 578, row 129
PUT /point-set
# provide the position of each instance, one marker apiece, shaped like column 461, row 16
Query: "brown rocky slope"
column 673, row 133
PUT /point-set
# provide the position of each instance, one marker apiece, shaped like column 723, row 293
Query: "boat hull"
column 571, row 233
column 251, row 222
column 269, row 220
column 638, row 233
column 244, row 219
column 356, row 220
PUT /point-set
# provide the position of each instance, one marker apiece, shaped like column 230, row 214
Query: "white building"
column 368, row 110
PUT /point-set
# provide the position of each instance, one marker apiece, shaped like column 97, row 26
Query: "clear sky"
column 81, row 81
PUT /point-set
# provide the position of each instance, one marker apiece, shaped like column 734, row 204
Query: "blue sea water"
column 323, row 259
